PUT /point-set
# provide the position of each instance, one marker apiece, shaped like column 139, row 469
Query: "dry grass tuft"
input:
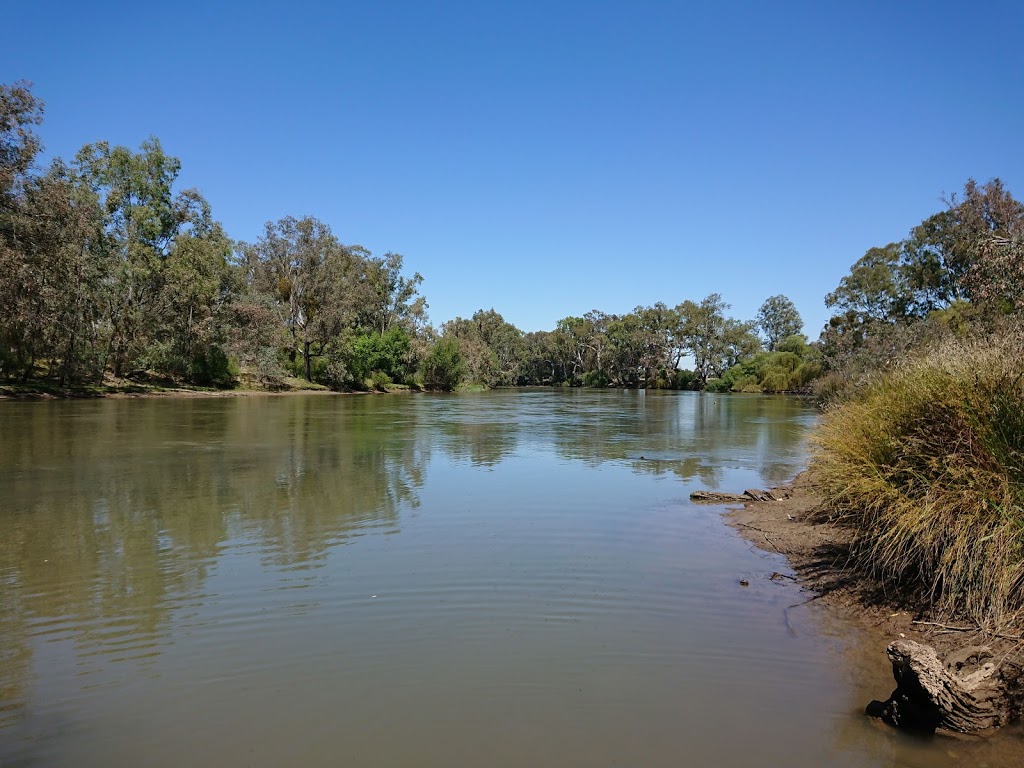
column 927, row 465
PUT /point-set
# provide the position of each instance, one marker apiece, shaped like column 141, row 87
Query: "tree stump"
column 966, row 694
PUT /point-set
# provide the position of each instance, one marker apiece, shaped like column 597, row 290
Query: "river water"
column 514, row 578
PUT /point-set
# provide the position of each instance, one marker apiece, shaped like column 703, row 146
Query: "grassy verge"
column 927, row 466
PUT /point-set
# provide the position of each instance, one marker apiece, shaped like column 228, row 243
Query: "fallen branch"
column 715, row 497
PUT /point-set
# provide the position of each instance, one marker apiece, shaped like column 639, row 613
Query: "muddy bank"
column 817, row 550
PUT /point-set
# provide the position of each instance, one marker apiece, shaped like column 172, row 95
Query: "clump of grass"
column 927, row 465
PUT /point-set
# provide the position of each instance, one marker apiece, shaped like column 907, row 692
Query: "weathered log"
column 715, row 497
column 965, row 695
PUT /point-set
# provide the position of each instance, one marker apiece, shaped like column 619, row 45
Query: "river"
column 513, row 578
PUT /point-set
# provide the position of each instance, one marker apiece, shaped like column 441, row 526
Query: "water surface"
column 504, row 579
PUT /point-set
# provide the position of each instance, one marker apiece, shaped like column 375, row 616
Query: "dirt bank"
column 140, row 393
column 818, row 552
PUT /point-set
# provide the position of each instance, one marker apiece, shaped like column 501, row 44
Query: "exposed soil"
column 818, row 551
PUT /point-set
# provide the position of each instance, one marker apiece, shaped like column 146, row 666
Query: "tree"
column 142, row 218
column 492, row 349
column 310, row 275
column 989, row 236
column 192, row 308
column 48, row 274
column 716, row 342
column 997, row 277
column 389, row 297
column 778, row 319
column 20, row 111
column 873, row 290
column 626, row 350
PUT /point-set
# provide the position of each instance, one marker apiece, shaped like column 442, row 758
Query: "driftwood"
column 715, row 497
column 966, row 694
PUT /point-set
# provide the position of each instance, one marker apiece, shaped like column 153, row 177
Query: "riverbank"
column 133, row 391
column 818, row 551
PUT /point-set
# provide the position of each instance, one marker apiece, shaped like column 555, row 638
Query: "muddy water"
column 482, row 580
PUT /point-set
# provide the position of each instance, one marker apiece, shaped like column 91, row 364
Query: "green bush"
column 387, row 353
column 723, row 384
column 684, row 379
column 927, row 465
column 379, row 381
column 211, row 367
column 595, row 379
column 444, row 369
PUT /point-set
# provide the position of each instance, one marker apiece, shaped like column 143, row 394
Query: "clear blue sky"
column 547, row 158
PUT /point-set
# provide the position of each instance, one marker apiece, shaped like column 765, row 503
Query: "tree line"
column 107, row 270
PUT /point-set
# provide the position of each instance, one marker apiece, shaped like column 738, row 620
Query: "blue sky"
column 547, row 158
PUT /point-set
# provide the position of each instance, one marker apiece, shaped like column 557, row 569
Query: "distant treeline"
column 107, row 271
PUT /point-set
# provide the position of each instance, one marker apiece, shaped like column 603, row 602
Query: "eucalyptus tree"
column 20, row 112
column 390, row 298
column 572, row 339
column 627, row 350
column 311, row 279
column 142, row 218
column 492, row 349
column 48, row 269
column 778, row 319
column 196, row 293
column 715, row 341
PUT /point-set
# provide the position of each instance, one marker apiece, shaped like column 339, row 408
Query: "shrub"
column 379, row 381
column 595, row 379
column 685, row 379
column 718, row 385
column 443, row 369
column 927, row 465
column 386, row 353
column 212, row 367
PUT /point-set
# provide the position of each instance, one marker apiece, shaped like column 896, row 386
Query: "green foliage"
column 778, row 319
column 444, row 369
column 684, row 379
column 211, row 367
column 107, row 267
column 927, row 465
column 716, row 342
column 796, row 343
column 724, row 384
column 385, row 354
column 967, row 256
column 491, row 348
column 779, row 371
column 379, row 381
column 873, row 290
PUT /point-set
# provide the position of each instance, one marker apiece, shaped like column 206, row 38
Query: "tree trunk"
column 967, row 694
column 305, row 358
